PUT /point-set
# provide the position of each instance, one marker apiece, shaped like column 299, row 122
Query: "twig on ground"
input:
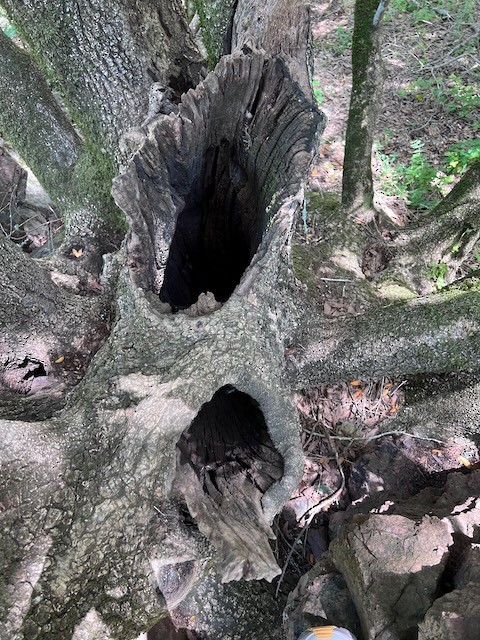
column 375, row 437
column 387, row 433
column 324, row 502
column 335, row 280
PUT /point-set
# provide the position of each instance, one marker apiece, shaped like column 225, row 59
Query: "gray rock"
column 454, row 616
column 392, row 566
column 469, row 570
column 320, row 597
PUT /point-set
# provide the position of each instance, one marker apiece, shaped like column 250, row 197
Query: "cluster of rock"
column 399, row 569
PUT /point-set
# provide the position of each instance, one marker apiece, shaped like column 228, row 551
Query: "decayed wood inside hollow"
column 207, row 181
column 228, row 437
column 225, row 464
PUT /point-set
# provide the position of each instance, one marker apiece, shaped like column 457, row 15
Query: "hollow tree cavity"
column 226, row 462
column 198, row 215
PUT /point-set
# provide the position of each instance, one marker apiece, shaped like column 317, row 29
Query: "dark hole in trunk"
column 35, row 369
column 229, row 436
column 167, row 630
column 216, row 234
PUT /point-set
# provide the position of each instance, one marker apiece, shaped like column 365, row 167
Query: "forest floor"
column 427, row 131
column 430, row 105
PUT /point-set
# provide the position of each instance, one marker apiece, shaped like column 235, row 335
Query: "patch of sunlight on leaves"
column 437, row 273
column 420, row 183
column 6, row 26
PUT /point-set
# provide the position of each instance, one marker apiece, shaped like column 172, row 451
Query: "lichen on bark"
column 216, row 20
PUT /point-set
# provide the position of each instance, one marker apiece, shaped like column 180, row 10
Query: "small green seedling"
column 318, row 92
column 437, row 273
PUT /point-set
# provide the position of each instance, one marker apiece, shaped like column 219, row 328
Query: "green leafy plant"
column 419, row 12
column 318, row 92
column 458, row 97
column 343, row 40
column 451, row 92
column 430, row 10
column 414, row 182
column 420, row 183
column 460, row 154
column 437, row 273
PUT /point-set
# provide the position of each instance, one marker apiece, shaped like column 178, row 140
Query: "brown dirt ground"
column 426, row 50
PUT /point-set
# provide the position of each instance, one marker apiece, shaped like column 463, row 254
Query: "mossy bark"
column 438, row 334
column 216, row 20
column 357, row 193
column 77, row 176
column 103, row 57
column 34, row 122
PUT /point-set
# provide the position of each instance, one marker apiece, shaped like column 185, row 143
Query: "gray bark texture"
column 148, row 434
column 77, row 177
column 104, row 57
column 402, row 339
column 101, row 536
column 367, row 80
column 444, row 237
column 26, row 97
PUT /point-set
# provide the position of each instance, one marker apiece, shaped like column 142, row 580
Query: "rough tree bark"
column 103, row 59
column 76, row 175
column 443, row 237
column 148, row 434
column 367, row 81
column 210, row 194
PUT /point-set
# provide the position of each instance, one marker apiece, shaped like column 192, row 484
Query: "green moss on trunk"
column 215, row 24
column 366, row 91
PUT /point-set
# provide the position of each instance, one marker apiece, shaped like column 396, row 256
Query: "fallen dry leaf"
column 78, row 253
column 470, row 465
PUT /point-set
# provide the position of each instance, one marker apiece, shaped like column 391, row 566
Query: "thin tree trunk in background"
column 357, row 194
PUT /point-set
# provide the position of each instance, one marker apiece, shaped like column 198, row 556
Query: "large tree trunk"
column 104, row 57
column 210, row 196
column 149, row 435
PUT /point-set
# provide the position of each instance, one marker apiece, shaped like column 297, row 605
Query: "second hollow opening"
column 229, row 436
column 217, row 232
